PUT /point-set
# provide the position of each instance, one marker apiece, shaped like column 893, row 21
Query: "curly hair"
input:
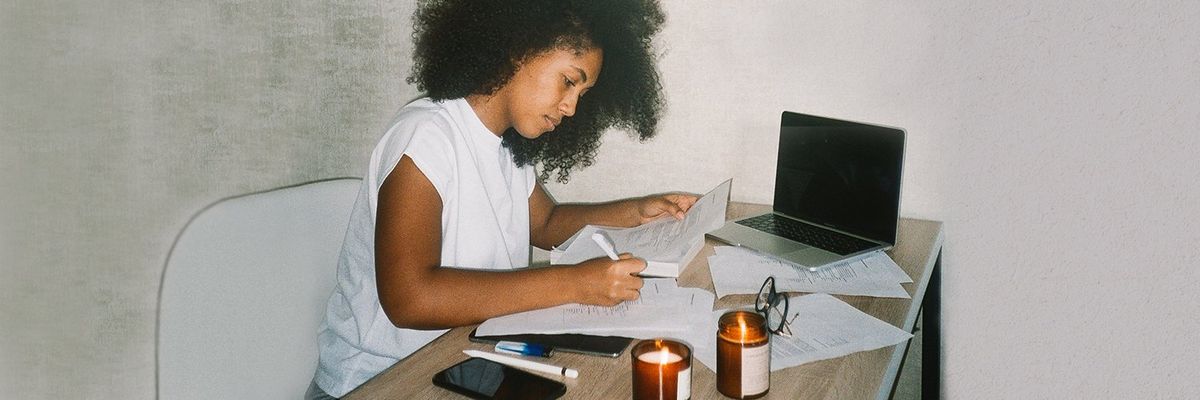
column 466, row 47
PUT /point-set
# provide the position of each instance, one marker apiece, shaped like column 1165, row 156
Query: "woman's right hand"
column 607, row 282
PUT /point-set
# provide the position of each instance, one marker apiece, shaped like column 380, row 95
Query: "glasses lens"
column 766, row 295
column 775, row 319
column 773, row 306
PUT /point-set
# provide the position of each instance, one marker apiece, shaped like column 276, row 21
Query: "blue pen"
column 524, row 349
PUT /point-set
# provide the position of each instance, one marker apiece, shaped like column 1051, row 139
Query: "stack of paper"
column 663, row 310
column 666, row 244
column 738, row 270
column 823, row 327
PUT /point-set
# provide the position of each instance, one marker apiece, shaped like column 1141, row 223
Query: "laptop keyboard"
column 807, row 234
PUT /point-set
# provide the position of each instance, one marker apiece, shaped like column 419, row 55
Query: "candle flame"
column 663, row 356
column 742, row 324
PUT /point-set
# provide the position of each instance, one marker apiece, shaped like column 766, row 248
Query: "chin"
column 531, row 134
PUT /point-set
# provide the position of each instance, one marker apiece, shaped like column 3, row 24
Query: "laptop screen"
column 840, row 174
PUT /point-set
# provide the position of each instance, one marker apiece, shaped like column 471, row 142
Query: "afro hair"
column 466, row 47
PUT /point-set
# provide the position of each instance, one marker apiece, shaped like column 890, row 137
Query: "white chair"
column 244, row 291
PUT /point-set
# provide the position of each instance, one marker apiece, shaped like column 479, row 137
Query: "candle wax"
column 655, row 357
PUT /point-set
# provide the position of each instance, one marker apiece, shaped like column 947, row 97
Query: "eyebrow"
column 585, row 78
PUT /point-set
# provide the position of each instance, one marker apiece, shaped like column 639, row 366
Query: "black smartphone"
column 478, row 378
column 607, row 346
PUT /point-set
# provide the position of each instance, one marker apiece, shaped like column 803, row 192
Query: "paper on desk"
column 738, row 270
column 666, row 244
column 825, row 328
column 663, row 310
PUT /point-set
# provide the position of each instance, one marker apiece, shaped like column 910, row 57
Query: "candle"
column 662, row 369
column 743, row 355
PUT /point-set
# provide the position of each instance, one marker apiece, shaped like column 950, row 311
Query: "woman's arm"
column 416, row 292
column 550, row 224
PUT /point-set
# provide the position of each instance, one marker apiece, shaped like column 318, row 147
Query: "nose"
column 567, row 107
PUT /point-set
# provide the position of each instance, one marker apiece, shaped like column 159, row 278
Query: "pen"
column 606, row 243
column 526, row 364
column 523, row 349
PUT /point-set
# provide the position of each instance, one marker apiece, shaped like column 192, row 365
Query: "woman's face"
column 546, row 88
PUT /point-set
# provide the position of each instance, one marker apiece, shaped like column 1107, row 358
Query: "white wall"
column 1056, row 141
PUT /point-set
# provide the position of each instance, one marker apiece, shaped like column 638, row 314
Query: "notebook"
column 837, row 193
column 607, row 346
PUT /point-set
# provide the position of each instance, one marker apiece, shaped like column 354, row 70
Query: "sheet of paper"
column 663, row 310
column 824, row 327
column 738, row 270
column 664, row 240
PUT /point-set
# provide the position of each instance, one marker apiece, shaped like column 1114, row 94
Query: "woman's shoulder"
column 423, row 118
column 423, row 113
column 421, row 126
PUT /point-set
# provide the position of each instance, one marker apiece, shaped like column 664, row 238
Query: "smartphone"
column 607, row 346
column 478, row 378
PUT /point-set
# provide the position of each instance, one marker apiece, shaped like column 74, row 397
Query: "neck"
column 487, row 108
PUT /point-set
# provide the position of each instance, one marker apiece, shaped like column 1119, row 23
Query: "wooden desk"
column 862, row 375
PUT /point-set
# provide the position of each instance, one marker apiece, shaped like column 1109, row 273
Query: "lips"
column 551, row 123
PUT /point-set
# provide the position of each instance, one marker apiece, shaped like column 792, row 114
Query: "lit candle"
column 743, row 355
column 662, row 369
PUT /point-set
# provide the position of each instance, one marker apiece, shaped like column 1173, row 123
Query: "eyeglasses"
column 774, row 307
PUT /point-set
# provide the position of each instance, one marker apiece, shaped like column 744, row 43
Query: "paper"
column 667, row 244
column 663, row 310
column 738, row 270
column 824, row 327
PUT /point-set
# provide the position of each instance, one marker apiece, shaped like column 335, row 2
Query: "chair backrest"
column 244, row 291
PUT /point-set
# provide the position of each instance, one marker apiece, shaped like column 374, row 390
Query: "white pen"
column 606, row 243
column 526, row 364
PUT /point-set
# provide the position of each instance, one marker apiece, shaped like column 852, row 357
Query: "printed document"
column 663, row 310
column 823, row 327
column 666, row 244
column 738, row 270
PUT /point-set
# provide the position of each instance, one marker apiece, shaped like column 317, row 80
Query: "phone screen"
column 485, row 379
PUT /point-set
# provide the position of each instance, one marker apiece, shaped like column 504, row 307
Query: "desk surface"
column 860, row 375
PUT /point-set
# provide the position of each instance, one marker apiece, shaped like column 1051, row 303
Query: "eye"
column 570, row 83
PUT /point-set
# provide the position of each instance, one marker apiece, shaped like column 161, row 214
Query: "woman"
column 440, row 234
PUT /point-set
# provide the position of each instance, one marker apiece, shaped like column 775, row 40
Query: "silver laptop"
column 837, row 193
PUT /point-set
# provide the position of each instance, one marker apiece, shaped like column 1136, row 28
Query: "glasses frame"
column 767, row 301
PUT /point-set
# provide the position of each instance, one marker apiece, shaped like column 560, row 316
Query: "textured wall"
column 121, row 119
column 1056, row 140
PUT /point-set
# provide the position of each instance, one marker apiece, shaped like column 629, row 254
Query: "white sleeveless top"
column 485, row 225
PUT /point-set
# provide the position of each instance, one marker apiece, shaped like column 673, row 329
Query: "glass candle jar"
column 662, row 369
column 743, row 355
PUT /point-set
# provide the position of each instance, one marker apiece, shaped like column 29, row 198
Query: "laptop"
column 837, row 193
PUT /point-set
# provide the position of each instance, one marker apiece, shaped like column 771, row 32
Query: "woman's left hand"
column 650, row 208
